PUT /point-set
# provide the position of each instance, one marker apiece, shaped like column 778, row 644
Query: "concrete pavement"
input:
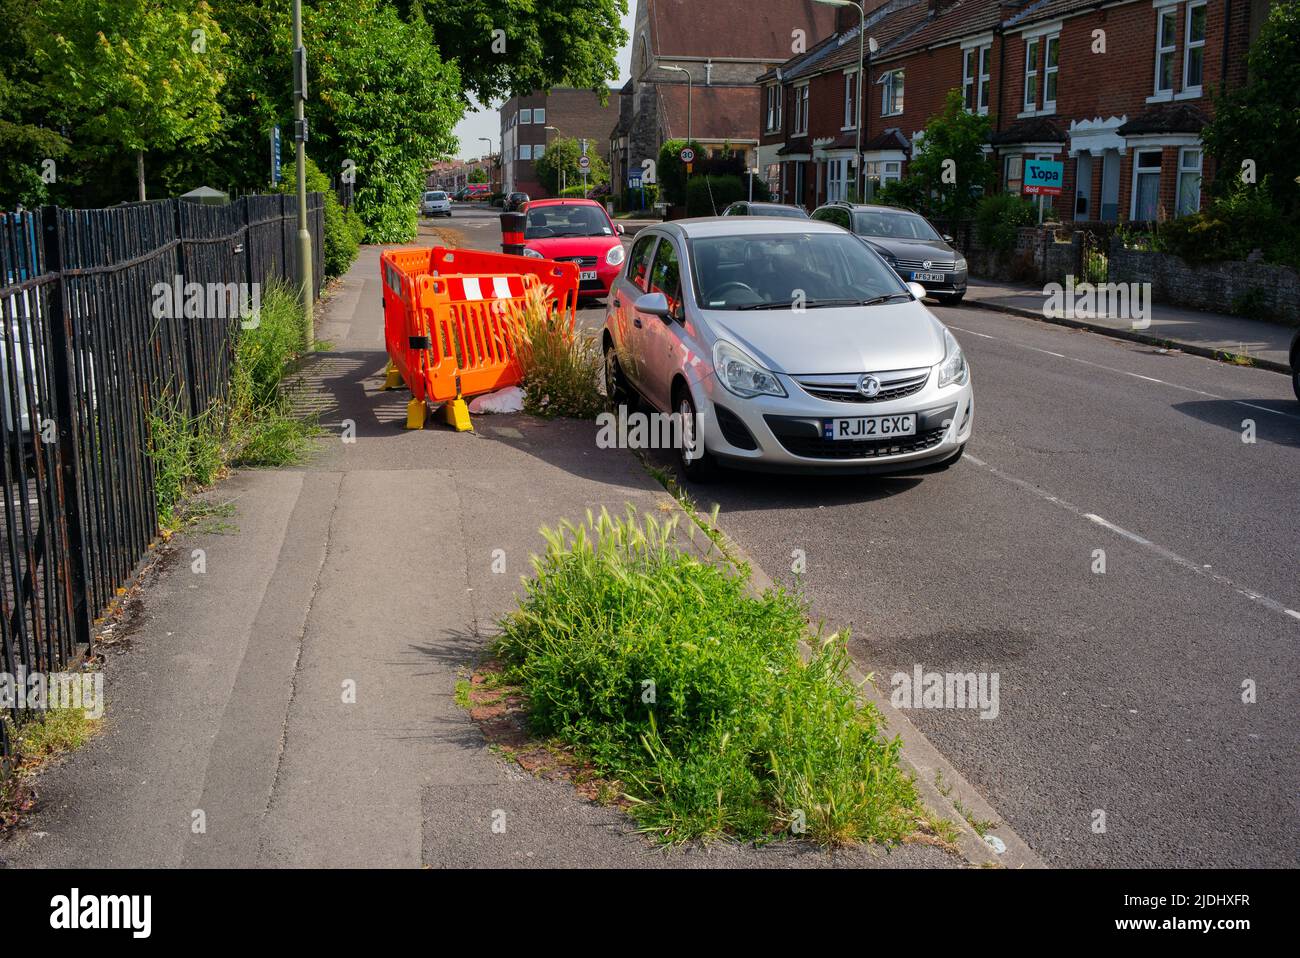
column 1200, row 333
column 293, row 703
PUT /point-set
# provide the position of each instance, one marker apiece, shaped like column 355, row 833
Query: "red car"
column 576, row 231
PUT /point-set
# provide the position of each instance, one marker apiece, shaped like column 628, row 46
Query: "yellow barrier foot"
column 415, row 410
column 456, row 412
column 393, row 377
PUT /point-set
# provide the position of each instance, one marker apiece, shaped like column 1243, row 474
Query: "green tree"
column 562, row 156
column 951, row 170
column 541, row 43
column 671, row 170
column 478, row 175
column 134, row 75
column 1253, row 126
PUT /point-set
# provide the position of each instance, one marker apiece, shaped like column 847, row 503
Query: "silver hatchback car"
column 787, row 346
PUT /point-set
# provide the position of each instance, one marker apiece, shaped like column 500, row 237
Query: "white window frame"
column 850, row 99
column 527, row 156
column 888, row 90
column 801, row 102
column 539, row 114
column 526, row 116
column 1051, row 73
column 539, row 150
column 1161, row 51
column 1184, row 168
column 1139, row 170
column 976, row 82
column 1189, row 45
column 1030, row 103
column 775, row 99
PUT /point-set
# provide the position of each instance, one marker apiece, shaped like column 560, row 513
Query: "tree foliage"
column 671, row 170
column 951, row 171
column 134, row 75
column 542, row 43
column 1260, row 122
column 562, row 155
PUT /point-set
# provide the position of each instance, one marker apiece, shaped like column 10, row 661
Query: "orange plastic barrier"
column 445, row 321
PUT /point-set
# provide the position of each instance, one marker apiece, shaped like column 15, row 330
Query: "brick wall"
column 1256, row 290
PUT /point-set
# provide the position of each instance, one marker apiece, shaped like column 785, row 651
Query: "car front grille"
column 585, row 262
column 842, row 387
column 934, row 267
column 817, row 448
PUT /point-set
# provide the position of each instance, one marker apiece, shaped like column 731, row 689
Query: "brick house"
column 1118, row 92
column 723, row 47
column 529, row 123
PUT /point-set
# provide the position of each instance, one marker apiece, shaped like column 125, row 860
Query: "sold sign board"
column 1043, row 177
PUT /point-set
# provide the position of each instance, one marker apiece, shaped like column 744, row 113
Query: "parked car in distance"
column 436, row 203
column 515, row 202
column 746, row 208
column 785, row 345
column 1295, row 364
column 460, row 194
column 909, row 243
column 478, row 191
column 576, row 231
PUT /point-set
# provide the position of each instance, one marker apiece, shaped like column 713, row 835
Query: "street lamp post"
column 305, row 284
column 688, row 96
column 862, row 77
column 556, row 130
column 488, row 141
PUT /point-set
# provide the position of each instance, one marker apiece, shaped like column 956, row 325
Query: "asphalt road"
column 1121, row 736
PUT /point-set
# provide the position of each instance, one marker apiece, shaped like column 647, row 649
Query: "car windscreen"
column 778, row 211
column 906, row 226
column 784, row 270
column 545, row 222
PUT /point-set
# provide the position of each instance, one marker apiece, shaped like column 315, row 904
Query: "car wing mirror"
column 618, row 228
column 917, row 290
column 654, row 304
column 947, row 239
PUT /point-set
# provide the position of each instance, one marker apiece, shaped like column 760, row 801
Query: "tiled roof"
column 965, row 18
column 891, row 139
column 760, row 29
column 1036, row 129
column 1166, row 118
column 894, row 23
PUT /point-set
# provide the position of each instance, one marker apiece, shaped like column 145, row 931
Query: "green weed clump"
column 253, row 426
column 671, row 678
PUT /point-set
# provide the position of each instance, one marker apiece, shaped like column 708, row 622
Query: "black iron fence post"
column 63, row 345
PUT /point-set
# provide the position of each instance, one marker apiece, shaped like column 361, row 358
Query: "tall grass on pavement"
column 253, row 426
column 677, row 682
column 562, row 366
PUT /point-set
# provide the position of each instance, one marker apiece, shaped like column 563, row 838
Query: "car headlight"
column 615, row 255
column 533, row 254
column 953, row 370
column 961, row 264
column 741, row 374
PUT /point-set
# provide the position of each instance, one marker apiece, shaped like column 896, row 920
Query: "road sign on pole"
column 275, row 155
column 687, row 155
column 584, row 163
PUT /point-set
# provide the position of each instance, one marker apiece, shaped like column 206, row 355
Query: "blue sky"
column 485, row 122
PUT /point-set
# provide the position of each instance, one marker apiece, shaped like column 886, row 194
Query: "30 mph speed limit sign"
column 687, row 155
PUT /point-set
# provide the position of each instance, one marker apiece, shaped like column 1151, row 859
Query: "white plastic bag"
column 510, row 399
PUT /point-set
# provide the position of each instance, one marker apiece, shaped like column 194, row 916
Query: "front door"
column 1110, row 186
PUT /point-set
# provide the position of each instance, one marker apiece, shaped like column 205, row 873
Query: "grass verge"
column 33, row 743
column 253, row 426
column 670, row 678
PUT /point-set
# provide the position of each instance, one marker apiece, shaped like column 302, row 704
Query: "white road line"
column 1125, row 372
column 1133, row 537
